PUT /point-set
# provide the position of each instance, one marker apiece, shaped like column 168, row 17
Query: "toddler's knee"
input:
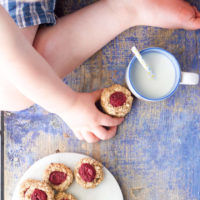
column 43, row 46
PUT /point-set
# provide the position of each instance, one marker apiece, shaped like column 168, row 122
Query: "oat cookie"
column 88, row 173
column 116, row 100
column 39, row 190
column 64, row 196
column 58, row 176
column 25, row 186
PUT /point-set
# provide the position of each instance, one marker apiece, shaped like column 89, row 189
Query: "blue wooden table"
column 156, row 152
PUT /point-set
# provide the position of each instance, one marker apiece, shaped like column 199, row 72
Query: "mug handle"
column 189, row 78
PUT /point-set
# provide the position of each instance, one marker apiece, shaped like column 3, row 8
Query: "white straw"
column 141, row 60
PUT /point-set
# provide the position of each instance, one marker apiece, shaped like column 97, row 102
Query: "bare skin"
column 8, row 93
column 34, row 75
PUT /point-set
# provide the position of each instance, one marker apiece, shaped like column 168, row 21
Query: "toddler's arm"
column 28, row 71
column 34, row 78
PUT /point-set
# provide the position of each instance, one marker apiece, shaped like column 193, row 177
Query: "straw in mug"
column 142, row 61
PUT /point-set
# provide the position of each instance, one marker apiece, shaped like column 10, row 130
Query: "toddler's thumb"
column 97, row 94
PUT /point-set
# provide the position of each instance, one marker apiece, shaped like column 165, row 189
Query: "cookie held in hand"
column 88, row 173
column 58, row 176
column 116, row 100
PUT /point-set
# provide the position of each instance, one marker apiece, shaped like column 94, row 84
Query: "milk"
column 161, row 84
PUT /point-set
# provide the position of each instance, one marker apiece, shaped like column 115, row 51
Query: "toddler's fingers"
column 106, row 120
column 97, row 94
column 78, row 134
column 104, row 134
column 89, row 137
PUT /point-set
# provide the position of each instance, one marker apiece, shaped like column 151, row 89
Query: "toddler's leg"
column 79, row 35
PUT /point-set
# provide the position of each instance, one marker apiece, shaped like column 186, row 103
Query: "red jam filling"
column 117, row 99
column 38, row 195
column 57, row 177
column 87, row 172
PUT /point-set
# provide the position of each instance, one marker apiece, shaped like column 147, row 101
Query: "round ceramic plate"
column 108, row 189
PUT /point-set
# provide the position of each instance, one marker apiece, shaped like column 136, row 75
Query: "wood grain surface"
column 156, row 152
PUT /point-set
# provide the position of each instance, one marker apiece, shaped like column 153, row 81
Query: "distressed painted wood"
column 156, row 153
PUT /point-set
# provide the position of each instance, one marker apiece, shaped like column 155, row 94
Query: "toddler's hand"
column 87, row 122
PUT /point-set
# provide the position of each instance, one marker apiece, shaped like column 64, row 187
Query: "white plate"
column 108, row 189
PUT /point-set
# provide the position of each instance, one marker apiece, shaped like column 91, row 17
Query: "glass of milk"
column 167, row 75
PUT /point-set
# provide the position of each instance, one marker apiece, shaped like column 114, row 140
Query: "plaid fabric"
column 28, row 13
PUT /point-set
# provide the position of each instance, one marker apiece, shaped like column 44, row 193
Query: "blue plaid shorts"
column 29, row 13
